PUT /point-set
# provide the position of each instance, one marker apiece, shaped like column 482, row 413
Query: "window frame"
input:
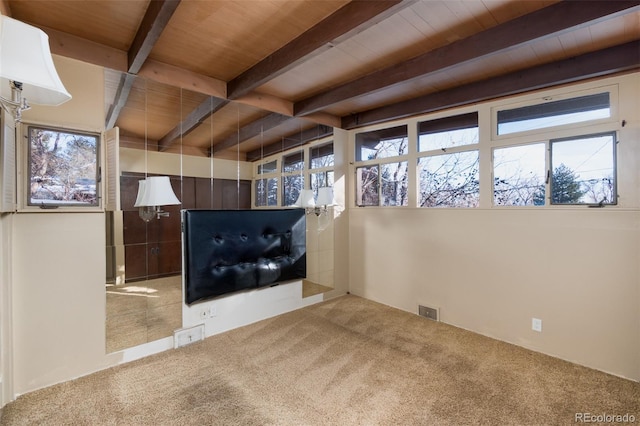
column 24, row 171
column 537, row 99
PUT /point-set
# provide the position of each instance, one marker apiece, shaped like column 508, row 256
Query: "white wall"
column 490, row 270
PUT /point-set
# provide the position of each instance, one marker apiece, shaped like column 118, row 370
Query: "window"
column 321, row 163
column 449, row 180
column 292, row 177
column 266, row 188
column 448, row 172
column 266, row 192
column 519, row 175
column 583, row 170
column 386, row 182
column 554, row 113
column 63, row 167
column 321, row 156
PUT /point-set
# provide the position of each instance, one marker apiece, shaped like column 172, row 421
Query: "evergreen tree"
column 565, row 188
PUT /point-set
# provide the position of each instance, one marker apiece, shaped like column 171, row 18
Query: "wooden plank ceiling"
column 248, row 77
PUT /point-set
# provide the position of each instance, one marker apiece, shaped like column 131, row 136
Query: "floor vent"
column 427, row 312
column 187, row 336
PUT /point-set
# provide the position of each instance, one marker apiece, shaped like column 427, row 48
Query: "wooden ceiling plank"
column 193, row 120
column 122, row 94
column 595, row 64
column 350, row 19
column 251, row 130
column 155, row 19
column 291, row 141
column 536, row 25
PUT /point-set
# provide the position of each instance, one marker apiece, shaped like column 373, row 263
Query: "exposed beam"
column 155, row 19
column 122, row 94
column 251, row 130
column 208, row 107
column 291, row 141
column 350, row 19
column 536, row 25
column 5, row 8
column 595, row 64
column 185, row 79
column 74, row 47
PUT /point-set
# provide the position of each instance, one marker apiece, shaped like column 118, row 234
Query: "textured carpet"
column 347, row 361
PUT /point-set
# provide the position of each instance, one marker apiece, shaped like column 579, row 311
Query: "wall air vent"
column 428, row 312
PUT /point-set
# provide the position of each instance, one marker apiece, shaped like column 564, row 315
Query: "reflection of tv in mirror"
column 225, row 251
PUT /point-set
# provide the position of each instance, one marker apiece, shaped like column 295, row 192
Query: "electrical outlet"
column 536, row 324
column 203, row 314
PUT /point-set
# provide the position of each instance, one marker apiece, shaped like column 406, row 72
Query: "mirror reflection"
column 167, row 131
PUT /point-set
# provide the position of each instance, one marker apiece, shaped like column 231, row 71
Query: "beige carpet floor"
column 347, row 361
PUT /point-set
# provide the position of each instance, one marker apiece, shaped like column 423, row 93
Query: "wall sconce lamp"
column 26, row 69
column 306, row 200
column 153, row 193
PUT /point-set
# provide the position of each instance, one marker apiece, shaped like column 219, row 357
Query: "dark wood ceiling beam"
column 291, row 141
column 251, row 130
column 533, row 26
column 193, row 120
column 122, row 94
column 596, row 64
column 156, row 18
column 5, row 8
column 153, row 23
column 350, row 19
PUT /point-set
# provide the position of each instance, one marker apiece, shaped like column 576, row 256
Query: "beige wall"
column 490, row 270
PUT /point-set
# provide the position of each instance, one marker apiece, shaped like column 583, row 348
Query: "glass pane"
column 448, row 132
column 293, row 162
column 566, row 111
column 318, row 180
column 270, row 167
column 583, row 170
column 322, row 156
column 266, row 192
column 381, row 143
column 519, row 175
column 394, row 184
column 367, row 185
column 62, row 167
column 449, row 180
column 291, row 186
column 447, row 139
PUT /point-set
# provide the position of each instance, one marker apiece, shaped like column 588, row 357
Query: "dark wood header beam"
column 354, row 17
column 539, row 24
column 595, row 64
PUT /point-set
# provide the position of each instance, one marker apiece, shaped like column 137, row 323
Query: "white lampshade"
column 25, row 57
column 155, row 191
column 305, row 199
column 325, row 196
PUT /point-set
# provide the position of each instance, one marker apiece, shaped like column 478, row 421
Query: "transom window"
column 554, row 113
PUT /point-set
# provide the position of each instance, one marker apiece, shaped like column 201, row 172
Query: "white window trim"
column 22, row 174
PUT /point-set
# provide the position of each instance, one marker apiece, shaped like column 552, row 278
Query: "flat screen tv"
column 226, row 251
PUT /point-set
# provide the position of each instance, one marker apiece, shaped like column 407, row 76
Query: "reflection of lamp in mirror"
column 26, row 69
column 153, row 193
column 306, row 200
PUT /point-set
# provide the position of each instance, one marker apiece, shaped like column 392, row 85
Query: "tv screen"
column 225, row 251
